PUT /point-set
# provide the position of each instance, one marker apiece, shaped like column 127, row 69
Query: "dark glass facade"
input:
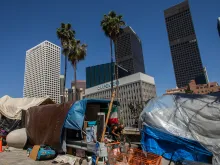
column 99, row 74
column 184, row 48
column 129, row 54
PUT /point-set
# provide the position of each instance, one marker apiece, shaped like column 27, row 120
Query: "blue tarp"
column 172, row 147
column 77, row 111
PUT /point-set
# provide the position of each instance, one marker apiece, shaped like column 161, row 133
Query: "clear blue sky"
column 26, row 23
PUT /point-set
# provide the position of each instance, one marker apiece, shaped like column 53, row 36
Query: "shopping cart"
column 130, row 156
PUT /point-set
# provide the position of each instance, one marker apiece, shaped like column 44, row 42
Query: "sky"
column 26, row 23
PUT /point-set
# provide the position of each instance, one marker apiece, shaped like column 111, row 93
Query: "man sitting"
column 120, row 129
column 117, row 131
column 113, row 133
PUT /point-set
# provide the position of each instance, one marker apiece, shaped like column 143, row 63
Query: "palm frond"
column 68, row 26
column 119, row 17
column 66, row 34
column 63, row 25
column 78, row 52
column 112, row 24
column 112, row 14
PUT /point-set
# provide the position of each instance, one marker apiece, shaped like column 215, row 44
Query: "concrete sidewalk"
column 19, row 157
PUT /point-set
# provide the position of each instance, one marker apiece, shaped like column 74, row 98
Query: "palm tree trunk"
column 75, row 94
column 64, row 83
column 116, row 77
column 112, row 74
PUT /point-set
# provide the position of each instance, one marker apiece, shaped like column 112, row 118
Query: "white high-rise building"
column 42, row 71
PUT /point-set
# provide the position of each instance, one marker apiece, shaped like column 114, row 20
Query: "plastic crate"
column 132, row 156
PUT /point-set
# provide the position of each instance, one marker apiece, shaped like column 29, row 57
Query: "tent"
column 12, row 107
column 11, row 110
column 76, row 114
column 45, row 124
column 182, row 126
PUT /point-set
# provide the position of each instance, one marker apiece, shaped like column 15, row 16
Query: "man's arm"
column 113, row 132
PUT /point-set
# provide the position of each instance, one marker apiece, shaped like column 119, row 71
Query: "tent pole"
column 106, row 121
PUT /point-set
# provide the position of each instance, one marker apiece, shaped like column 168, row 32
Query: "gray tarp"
column 195, row 117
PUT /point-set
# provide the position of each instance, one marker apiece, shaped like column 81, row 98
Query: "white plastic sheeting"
column 195, row 117
column 12, row 107
column 17, row 138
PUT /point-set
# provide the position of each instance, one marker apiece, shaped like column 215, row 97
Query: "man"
column 117, row 131
column 120, row 129
column 114, row 134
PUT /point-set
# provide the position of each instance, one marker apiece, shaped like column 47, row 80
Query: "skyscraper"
column 42, row 71
column 79, row 88
column 62, row 88
column 184, row 48
column 129, row 54
column 99, row 74
column 218, row 25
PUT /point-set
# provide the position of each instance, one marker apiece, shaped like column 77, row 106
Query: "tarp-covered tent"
column 192, row 121
column 12, row 107
column 76, row 114
column 9, row 125
column 44, row 124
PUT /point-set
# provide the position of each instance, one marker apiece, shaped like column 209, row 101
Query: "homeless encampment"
column 11, row 110
column 45, row 124
column 182, row 127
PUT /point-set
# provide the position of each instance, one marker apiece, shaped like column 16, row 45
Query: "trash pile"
column 47, row 130
column 182, row 128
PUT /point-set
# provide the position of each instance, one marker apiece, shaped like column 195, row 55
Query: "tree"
column 136, row 107
column 77, row 53
column 188, row 90
column 112, row 27
column 65, row 34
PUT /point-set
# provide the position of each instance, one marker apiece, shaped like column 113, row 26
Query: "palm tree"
column 66, row 35
column 77, row 53
column 112, row 27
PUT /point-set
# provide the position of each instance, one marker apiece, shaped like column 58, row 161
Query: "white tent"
column 12, row 107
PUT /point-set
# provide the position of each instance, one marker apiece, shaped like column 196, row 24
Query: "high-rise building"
column 184, row 48
column 218, row 25
column 100, row 74
column 129, row 54
column 81, row 86
column 69, row 94
column 206, row 74
column 42, row 71
column 61, row 88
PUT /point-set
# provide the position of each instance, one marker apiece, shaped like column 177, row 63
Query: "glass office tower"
column 99, row 74
column 184, row 48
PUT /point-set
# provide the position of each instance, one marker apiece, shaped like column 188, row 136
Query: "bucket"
column 91, row 123
column 101, row 150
